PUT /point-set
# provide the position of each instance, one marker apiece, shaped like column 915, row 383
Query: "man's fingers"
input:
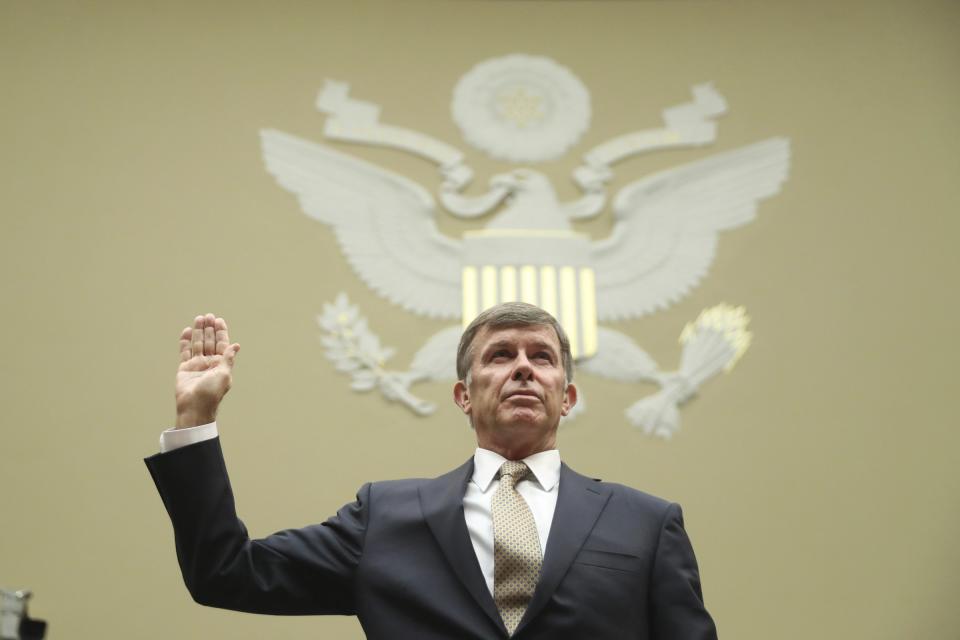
column 185, row 336
column 209, row 335
column 230, row 354
column 196, row 337
column 223, row 338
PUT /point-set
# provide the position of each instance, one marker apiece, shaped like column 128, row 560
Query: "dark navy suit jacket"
column 618, row 563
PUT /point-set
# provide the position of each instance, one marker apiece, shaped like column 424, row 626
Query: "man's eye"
column 544, row 356
column 502, row 353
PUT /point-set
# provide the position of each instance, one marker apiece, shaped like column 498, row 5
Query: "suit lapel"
column 579, row 503
column 441, row 500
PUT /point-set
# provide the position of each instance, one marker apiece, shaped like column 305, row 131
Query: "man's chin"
column 522, row 417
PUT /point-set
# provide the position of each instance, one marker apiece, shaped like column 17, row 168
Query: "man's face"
column 517, row 389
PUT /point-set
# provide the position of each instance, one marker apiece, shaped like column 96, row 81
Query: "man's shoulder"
column 404, row 486
column 638, row 497
column 624, row 494
column 400, row 485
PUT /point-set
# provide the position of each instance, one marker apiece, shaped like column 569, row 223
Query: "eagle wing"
column 665, row 235
column 383, row 222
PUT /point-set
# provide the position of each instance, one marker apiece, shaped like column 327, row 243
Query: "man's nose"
column 522, row 368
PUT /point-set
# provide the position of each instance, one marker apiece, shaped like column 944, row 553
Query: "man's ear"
column 569, row 399
column 461, row 396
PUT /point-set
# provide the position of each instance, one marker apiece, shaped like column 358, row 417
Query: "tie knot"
column 517, row 471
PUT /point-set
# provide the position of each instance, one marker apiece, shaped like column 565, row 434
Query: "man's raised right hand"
column 206, row 370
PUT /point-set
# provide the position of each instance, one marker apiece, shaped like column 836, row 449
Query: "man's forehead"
column 540, row 334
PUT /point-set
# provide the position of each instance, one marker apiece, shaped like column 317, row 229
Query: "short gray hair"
column 511, row 314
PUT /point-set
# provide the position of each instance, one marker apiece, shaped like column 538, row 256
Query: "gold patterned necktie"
column 516, row 546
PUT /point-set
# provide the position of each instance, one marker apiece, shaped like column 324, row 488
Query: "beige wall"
column 819, row 480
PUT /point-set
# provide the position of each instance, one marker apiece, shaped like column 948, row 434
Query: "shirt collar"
column 545, row 467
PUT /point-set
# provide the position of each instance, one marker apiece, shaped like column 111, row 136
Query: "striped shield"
column 543, row 267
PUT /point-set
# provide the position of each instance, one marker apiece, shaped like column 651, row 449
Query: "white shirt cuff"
column 175, row 438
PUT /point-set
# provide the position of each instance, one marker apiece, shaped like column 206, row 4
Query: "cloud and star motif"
column 521, row 108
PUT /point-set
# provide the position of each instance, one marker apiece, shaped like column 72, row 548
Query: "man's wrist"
column 190, row 419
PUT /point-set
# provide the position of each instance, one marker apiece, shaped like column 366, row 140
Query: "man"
column 513, row 543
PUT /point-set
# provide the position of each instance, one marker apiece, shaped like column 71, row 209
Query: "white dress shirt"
column 175, row 438
column 539, row 490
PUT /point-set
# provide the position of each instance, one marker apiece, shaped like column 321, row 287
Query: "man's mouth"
column 524, row 393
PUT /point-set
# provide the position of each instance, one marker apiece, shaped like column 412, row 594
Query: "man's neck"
column 517, row 451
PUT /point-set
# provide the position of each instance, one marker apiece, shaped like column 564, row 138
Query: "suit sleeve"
column 676, row 606
column 293, row 572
